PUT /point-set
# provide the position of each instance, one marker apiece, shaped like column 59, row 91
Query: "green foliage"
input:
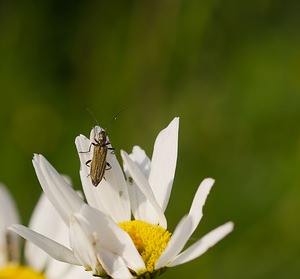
column 229, row 69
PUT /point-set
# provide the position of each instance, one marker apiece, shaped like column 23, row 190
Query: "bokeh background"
column 229, row 69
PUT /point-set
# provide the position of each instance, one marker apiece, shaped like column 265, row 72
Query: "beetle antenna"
column 92, row 114
column 115, row 117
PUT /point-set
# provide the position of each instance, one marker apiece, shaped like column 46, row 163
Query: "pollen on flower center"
column 150, row 240
column 20, row 272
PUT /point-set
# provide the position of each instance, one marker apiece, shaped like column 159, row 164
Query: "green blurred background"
column 229, row 69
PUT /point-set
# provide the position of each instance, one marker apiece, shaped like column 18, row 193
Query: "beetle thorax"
column 102, row 138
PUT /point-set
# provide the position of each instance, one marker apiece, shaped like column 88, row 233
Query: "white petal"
column 163, row 163
column 140, row 206
column 196, row 211
column 53, row 248
column 111, row 195
column 83, row 144
column 46, row 221
column 8, row 210
column 9, row 242
column 203, row 244
column 157, row 213
column 57, row 269
column 76, row 272
column 176, row 245
column 65, row 200
column 84, row 245
column 177, row 242
column 139, row 156
column 110, row 236
column 114, row 265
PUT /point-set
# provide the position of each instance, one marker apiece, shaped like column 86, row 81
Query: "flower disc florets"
column 20, row 272
column 150, row 240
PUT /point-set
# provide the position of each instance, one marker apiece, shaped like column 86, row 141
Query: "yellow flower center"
column 20, row 272
column 149, row 240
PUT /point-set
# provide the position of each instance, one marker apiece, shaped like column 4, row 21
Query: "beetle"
column 98, row 164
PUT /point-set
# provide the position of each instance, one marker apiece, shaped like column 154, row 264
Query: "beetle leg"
column 112, row 150
column 87, row 162
column 89, row 148
column 108, row 166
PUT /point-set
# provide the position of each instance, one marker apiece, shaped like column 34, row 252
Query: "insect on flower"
column 98, row 164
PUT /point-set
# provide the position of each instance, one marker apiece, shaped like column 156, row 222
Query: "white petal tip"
column 16, row 228
column 174, row 122
column 12, row 228
column 228, row 227
column 123, row 154
column 35, row 155
column 209, row 181
column 203, row 244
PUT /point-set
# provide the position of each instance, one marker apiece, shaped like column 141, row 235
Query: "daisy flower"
column 104, row 237
column 38, row 264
